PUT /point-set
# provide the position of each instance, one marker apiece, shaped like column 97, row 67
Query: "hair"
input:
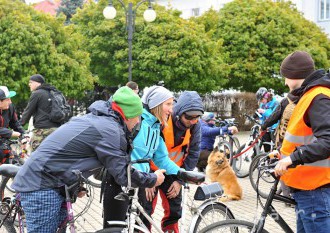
column 132, row 85
column 158, row 113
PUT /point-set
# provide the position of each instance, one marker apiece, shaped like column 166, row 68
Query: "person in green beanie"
column 87, row 143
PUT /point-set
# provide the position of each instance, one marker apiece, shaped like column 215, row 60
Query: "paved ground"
column 245, row 209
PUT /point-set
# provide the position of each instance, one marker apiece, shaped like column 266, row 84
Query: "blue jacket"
column 85, row 143
column 149, row 144
column 209, row 132
column 188, row 100
column 270, row 108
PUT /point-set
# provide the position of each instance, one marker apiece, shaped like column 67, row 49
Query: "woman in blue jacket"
column 148, row 143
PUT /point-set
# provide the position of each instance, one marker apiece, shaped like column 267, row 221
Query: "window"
column 324, row 9
column 195, row 11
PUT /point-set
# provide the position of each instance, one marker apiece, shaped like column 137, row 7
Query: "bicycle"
column 258, row 226
column 210, row 208
column 12, row 214
column 228, row 143
column 15, row 153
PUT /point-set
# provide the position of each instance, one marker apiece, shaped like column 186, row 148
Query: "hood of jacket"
column 188, row 101
column 317, row 78
column 46, row 86
column 101, row 108
column 149, row 117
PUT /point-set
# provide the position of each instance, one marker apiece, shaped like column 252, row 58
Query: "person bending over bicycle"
column 267, row 105
column 148, row 143
column 306, row 144
column 8, row 119
column 86, row 143
column 209, row 133
column 182, row 136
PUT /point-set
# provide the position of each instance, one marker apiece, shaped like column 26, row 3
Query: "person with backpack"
column 45, row 101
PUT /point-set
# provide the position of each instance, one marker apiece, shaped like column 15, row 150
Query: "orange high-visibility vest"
column 310, row 175
column 175, row 153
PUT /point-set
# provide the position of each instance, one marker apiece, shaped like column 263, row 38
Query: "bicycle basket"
column 207, row 191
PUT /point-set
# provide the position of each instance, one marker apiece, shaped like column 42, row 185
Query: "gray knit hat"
column 155, row 96
column 297, row 65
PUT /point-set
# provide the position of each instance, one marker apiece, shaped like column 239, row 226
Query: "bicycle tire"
column 3, row 185
column 231, row 225
column 235, row 145
column 115, row 230
column 225, row 147
column 265, row 180
column 241, row 165
column 212, row 212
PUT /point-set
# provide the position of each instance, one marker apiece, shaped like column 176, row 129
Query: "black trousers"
column 115, row 210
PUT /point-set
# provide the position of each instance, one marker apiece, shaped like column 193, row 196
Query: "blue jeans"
column 43, row 210
column 313, row 211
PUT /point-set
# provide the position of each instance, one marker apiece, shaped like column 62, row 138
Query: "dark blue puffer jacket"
column 209, row 132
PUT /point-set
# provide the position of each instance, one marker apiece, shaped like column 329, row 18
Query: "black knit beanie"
column 37, row 78
column 297, row 65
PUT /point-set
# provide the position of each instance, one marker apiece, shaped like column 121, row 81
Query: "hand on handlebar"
column 233, row 129
column 282, row 166
column 160, row 176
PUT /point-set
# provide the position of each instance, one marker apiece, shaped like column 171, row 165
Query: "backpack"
column 61, row 110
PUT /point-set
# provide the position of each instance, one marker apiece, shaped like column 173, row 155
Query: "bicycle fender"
column 205, row 204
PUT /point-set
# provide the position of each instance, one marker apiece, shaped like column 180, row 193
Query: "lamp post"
column 149, row 15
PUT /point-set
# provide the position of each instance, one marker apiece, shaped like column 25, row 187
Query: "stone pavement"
column 245, row 209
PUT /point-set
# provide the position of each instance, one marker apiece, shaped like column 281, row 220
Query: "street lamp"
column 149, row 15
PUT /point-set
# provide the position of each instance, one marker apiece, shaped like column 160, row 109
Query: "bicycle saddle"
column 8, row 170
column 191, row 177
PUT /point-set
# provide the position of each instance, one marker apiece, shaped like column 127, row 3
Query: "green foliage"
column 69, row 8
column 257, row 35
column 31, row 42
column 170, row 49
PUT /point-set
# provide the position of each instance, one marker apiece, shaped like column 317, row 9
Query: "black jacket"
column 85, row 143
column 318, row 118
column 8, row 119
column 39, row 107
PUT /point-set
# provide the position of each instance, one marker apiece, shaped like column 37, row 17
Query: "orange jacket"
column 175, row 153
column 310, row 175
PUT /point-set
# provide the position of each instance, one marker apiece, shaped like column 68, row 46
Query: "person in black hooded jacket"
column 39, row 106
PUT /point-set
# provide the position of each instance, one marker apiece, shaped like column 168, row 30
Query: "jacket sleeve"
column 213, row 131
column 162, row 160
column 111, row 151
column 30, row 108
column 319, row 149
column 14, row 123
column 276, row 115
column 194, row 148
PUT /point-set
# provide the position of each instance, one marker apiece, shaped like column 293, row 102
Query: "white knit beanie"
column 155, row 96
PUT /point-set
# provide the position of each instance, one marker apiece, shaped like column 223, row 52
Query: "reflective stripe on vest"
column 175, row 153
column 310, row 175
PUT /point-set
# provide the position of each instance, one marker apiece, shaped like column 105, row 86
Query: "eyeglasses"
column 191, row 118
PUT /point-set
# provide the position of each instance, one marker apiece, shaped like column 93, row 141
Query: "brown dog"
column 219, row 170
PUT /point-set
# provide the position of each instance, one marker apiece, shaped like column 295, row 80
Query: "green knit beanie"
column 129, row 102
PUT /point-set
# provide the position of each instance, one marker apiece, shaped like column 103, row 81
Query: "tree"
column 170, row 49
column 32, row 42
column 257, row 35
column 69, row 8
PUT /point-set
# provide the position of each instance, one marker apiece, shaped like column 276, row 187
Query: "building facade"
column 317, row 11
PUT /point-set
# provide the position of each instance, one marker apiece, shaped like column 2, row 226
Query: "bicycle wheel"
column 235, row 144
column 225, row 147
column 211, row 214
column 8, row 224
column 241, row 164
column 265, row 180
column 231, row 225
column 119, row 230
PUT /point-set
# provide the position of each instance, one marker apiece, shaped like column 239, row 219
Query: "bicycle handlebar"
column 252, row 119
